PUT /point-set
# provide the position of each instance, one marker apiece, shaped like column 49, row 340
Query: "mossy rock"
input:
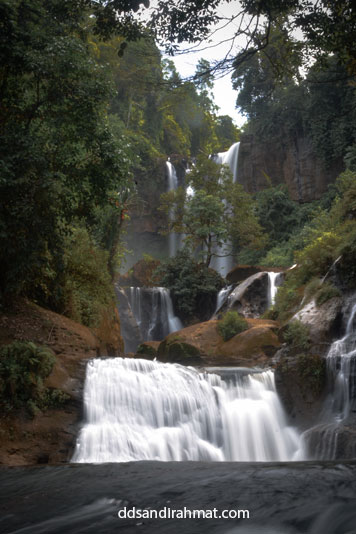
column 176, row 350
column 147, row 350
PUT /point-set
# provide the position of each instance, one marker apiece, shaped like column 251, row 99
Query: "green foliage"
column 23, row 367
column 231, row 324
column 146, row 350
column 288, row 298
column 312, row 370
column 87, row 286
column 326, row 292
column 296, row 335
column 193, row 286
column 60, row 160
column 217, row 212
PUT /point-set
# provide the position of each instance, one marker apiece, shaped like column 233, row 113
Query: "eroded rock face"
column 250, row 298
column 292, row 163
column 202, row 344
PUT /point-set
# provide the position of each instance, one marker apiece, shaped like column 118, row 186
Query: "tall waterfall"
column 225, row 263
column 174, row 239
column 153, row 310
column 142, row 410
column 230, row 158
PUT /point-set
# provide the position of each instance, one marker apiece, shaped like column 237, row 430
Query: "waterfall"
column 222, row 297
column 153, row 310
column 230, row 158
column 272, row 287
column 225, row 263
column 142, row 410
column 323, row 439
column 174, row 239
column 341, row 365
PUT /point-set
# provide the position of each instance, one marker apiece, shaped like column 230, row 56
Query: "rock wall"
column 292, row 162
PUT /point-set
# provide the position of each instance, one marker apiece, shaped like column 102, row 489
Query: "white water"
column 153, row 310
column 142, row 410
column 230, row 158
column 272, row 288
column 222, row 297
column 174, row 239
column 341, row 369
column 341, row 365
column 224, row 262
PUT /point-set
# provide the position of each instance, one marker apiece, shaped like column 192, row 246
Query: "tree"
column 213, row 212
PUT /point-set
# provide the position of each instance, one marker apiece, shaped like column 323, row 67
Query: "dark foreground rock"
column 305, row 498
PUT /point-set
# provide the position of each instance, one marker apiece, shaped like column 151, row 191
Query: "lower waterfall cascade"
column 142, row 410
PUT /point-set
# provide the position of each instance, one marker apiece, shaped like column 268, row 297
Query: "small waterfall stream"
column 272, row 287
column 323, row 439
column 142, row 410
column 153, row 310
column 174, row 239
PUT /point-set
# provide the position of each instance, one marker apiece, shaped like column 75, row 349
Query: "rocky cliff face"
column 292, row 162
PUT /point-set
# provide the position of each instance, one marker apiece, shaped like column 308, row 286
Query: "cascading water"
column 323, row 439
column 223, row 263
column 341, row 364
column 222, row 297
column 272, row 287
column 153, row 310
column 142, row 410
column 174, row 239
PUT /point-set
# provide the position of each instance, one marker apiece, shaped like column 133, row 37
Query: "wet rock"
column 251, row 297
column 324, row 322
column 254, row 346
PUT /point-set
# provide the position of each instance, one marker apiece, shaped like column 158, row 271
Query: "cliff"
column 291, row 162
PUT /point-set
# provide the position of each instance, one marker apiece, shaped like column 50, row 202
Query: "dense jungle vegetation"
column 88, row 104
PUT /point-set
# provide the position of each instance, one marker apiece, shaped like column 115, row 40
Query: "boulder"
column 202, row 344
column 324, row 322
column 251, row 297
column 148, row 350
column 241, row 272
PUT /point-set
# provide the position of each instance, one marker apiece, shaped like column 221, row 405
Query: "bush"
column 23, row 367
column 88, row 288
column 326, row 292
column 193, row 286
column 312, row 371
column 231, row 324
column 296, row 335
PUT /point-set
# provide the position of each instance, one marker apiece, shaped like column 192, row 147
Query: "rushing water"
column 142, row 410
column 272, row 287
column 223, row 263
column 153, row 310
column 324, row 438
column 174, row 239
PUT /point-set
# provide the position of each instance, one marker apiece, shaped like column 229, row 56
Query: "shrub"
column 88, row 289
column 312, row 371
column 23, row 367
column 296, row 335
column 231, row 324
column 288, row 299
column 326, row 292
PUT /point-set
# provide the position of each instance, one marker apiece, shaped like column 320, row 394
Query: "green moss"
column 147, row 350
column 312, row 372
column 296, row 335
column 231, row 324
column 326, row 292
